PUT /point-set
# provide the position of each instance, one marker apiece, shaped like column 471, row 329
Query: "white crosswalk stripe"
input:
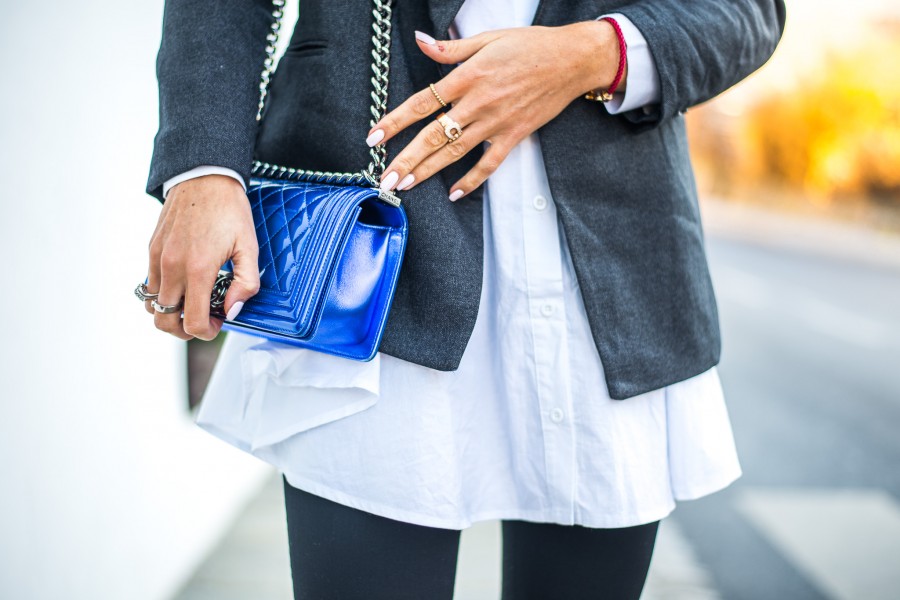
column 675, row 573
column 846, row 541
column 478, row 567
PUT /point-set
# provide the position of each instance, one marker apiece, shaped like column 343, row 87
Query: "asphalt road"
column 811, row 371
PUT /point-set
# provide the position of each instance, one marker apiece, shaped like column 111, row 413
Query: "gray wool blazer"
column 623, row 184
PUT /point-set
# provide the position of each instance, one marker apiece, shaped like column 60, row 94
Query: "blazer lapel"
column 442, row 13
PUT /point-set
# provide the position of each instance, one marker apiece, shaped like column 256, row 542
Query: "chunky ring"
column 452, row 129
column 436, row 95
column 143, row 294
column 166, row 310
column 217, row 298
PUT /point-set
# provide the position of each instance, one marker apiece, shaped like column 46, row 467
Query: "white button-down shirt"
column 525, row 428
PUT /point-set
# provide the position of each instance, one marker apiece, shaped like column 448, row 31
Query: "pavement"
column 811, row 370
column 811, row 350
column 251, row 561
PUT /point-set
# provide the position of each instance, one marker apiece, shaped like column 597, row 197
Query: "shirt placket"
column 547, row 312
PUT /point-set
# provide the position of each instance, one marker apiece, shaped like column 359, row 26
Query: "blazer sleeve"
column 702, row 48
column 208, row 68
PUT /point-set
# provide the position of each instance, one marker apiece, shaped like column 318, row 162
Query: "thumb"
column 453, row 51
column 245, row 283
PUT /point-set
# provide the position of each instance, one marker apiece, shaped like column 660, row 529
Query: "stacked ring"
column 143, row 294
column 166, row 310
column 436, row 95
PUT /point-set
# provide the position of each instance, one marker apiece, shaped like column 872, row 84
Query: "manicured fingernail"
column 407, row 181
column 387, row 183
column 425, row 38
column 375, row 137
column 456, row 195
column 235, row 311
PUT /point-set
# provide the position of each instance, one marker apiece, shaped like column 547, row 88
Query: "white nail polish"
column 456, row 195
column 407, row 181
column 375, row 137
column 388, row 182
column 425, row 38
column 235, row 311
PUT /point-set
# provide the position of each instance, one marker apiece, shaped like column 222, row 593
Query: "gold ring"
column 452, row 129
column 436, row 95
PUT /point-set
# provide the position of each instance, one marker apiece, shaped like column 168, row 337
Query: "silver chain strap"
column 381, row 50
column 269, row 64
column 381, row 53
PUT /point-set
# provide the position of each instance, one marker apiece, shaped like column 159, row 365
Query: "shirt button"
column 540, row 202
column 556, row 415
column 547, row 310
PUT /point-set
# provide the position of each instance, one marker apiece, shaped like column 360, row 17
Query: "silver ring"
column 166, row 310
column 143, row 294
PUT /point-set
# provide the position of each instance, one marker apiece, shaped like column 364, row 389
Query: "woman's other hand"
column 510, row 83
column 204, row 222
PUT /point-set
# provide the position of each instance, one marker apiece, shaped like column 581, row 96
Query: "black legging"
column 341, row 553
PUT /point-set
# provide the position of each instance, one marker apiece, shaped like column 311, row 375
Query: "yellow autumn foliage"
column 830, row 134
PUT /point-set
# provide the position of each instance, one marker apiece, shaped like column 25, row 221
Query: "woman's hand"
column 204, row 222
column 510, row 83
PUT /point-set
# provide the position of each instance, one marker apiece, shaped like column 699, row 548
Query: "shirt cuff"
column 199, row 172
column 642, row 81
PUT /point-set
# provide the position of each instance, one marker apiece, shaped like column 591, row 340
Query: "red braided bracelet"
column 606, row 96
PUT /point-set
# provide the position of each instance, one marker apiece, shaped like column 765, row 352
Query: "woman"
column 550, row 358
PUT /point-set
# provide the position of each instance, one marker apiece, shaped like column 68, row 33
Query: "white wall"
column 108, row 489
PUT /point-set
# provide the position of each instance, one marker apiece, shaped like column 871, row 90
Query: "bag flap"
column 302, row 229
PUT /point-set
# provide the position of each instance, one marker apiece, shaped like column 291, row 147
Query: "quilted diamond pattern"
column 326, row 279
column 282, row 218
column 301, row 229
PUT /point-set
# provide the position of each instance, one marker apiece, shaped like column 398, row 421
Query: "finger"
column 451, row 152
column 196, row 321
column 484, row 168
column 415, row 108
column 171, row 291
column 455, row 51
column 431, row 139
column 152, row 288
column 246, row 277
column 153, row 270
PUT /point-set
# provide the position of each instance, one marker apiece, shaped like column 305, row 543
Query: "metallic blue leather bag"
column 329, row 258
column 330, row 244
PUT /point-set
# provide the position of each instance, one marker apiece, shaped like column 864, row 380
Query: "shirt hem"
column 687, row 493
column 406, row 516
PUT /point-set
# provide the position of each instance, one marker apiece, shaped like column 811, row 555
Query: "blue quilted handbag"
column 330, row 244
column 329, row 257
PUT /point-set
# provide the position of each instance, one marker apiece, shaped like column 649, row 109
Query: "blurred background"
column 110, row 491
